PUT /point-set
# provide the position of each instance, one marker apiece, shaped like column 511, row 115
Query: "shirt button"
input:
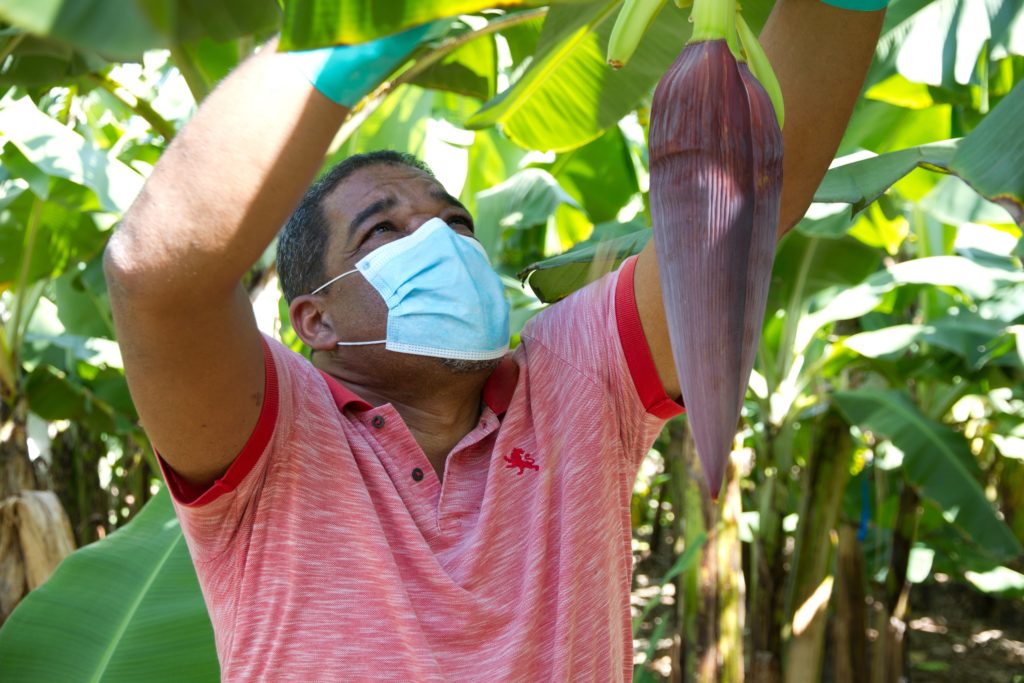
column 377, row 421
column 417, row 474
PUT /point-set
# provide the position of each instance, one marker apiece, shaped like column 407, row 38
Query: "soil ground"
column 956, row 634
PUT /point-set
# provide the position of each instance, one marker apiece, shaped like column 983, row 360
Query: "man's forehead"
column 382, row 177
column 374, row 191
column 376, row 183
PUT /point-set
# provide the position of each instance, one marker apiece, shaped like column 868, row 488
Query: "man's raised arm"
column 192, row 352
column 820, row 54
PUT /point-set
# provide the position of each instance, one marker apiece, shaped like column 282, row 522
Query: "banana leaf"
column 318, row 23
column 127, row 608
column 125, row 29
column 937, row 461
column 987, row 159
column 559, row 276
column 568, row 95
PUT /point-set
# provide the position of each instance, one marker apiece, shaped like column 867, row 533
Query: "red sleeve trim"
column 638, row 353
column 191, row 495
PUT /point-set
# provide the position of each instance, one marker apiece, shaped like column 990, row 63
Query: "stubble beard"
column 460, row 366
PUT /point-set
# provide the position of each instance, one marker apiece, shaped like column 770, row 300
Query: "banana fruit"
column 633, row 21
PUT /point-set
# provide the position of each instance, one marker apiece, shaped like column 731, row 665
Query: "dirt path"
column 957, row 635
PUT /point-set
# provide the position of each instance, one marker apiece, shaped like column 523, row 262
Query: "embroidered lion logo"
column 524, row 461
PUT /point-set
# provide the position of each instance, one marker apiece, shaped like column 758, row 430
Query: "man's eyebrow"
column 448, row 199
column 372, row 209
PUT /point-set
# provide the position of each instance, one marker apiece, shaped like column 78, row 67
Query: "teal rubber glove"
column 347, row 73
column 859, row 5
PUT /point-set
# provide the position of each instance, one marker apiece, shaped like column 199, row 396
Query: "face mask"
column 443, row 297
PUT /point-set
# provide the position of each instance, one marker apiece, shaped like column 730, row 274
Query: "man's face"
column 379, row 204
column 373, row 207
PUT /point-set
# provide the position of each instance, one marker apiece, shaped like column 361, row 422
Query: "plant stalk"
column 7, row 381
column 767, row 580
column 849, row 630
column 31, row 230
column 715, row 20
column 809, row 592
column 890, row 659
column 190, row 72
column 138, row 105
column 246, row 46
column 10, row 47
column 369, row 104
column 450, row 45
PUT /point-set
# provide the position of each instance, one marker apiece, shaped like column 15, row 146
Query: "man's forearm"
column 821, row 55
column 226, row 185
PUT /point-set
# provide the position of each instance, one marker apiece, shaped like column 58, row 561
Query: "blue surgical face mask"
column 443, row 297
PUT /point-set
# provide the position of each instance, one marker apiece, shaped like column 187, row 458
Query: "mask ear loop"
column 328, row 284
column 332, row 281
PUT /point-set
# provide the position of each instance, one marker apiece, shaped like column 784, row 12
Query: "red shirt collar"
column 343, row 396
column 501, row 385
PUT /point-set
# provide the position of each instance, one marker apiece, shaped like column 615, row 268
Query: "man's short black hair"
column 302, row 244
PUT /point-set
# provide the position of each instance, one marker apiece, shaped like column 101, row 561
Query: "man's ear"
column 310, row 321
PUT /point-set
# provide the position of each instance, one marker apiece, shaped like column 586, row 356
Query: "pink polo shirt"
column 330, row 550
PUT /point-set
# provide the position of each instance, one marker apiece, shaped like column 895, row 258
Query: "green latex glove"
column 859, row 5
column 347, row 73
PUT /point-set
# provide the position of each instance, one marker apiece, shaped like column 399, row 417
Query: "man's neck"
column 439, row 409
column 439, row 426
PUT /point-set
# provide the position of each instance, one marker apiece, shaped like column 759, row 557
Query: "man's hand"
column 820, row 55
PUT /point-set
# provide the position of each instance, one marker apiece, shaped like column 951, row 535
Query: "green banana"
column 633, row 21
column 759, row 65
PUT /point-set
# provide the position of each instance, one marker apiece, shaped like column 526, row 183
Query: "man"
column 415, row 504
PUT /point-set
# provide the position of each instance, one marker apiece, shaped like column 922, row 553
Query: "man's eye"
column 461, row 220
column 381, row 227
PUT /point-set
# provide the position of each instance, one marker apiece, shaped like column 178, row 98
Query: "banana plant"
column 61, row 194
column 860, row 305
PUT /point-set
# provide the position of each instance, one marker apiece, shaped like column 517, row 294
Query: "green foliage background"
column 896, row 311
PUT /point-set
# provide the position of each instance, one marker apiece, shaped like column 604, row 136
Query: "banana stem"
column 715, row 20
